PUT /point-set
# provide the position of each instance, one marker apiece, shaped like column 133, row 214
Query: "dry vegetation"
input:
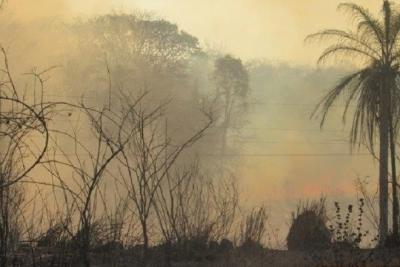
column 126, row 164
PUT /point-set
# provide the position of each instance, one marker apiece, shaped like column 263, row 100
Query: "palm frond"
column 378, row 43
column 365, row 119
column 395, row 36
column 355, row 90
column 346, row 50
column 366, row 20
column 326, row 103
column 387, row 18
column 344, row 37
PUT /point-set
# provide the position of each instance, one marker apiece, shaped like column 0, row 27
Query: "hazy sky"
column 272, row 29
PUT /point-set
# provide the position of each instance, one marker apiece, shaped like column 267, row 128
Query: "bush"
column 308, row 230
column 225, row 245
column 55, row 236
column 253, row 228
column 347, row 231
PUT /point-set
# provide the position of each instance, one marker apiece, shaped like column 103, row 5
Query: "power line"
column 291, row 155
column 291, row 143
column 283, row 129
column 295, row 104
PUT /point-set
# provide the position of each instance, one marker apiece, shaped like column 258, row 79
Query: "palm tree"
column 373, row 89
column 396, row 211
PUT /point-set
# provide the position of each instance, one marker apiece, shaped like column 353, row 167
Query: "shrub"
column 347, row 232
column 225, row 245
column 55, row 236
column 308, row 230
column 253, row 228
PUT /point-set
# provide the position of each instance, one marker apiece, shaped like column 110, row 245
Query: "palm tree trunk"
column 395, row 213
column 383, row 163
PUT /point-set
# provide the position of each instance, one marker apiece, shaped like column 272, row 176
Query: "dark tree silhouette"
column 372, row 88
column 308, row 230
column 232, row 84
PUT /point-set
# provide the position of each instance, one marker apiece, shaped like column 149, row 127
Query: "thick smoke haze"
column 278, row 129
column 279, row 154
column 249, row 29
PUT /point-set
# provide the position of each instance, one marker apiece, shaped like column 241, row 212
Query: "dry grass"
column 359, row 258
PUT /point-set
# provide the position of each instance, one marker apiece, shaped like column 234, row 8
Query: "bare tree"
column 24, row 134
column 148, row 157
column 192, row 207
column 24, row 140
column 89, row 163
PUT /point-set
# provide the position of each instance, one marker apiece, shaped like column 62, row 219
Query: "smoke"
column 26, row 10
column 279, row 128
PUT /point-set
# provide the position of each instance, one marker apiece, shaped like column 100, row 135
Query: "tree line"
column 118, row 167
